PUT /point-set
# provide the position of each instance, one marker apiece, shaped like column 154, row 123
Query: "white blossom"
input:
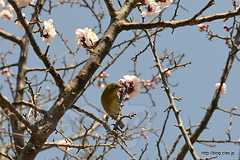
column 86, row 38
column 155, row 7
column 132, row 85
column 236, row 3
column 49, row 31
column 6, row 14
column 2, row 3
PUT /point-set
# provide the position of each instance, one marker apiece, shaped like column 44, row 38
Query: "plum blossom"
column 6, row 14
column 131, row 86
column 143, row 133
column 203, row 27
column 61, row 1
column 227, row 29
column 149, row 84
column 49, row 31
column 155, row 6
column 6, row 72
column 167, row 72
column 23, row 3
column 86, row 38
column 101, row 83
column 104, row 74
column 223, row 89
column 236, row 3
column 2, row 3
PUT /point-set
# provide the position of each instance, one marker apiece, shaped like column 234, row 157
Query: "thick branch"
column 76, row 86
column 127, row 8
column 111, row 10
column 20, row 85
column 70, row 94
column 181, row 23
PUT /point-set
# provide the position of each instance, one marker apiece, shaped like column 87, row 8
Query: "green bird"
column 111, row 102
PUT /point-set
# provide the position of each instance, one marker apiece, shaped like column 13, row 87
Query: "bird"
column 111, row 103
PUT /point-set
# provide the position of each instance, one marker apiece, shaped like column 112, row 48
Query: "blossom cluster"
column 203, row 27
column 236, row 3
column 6, row 72
column 155, row 6
column 131, row 86
column 101, row 83
column 86, row 38
column 49, row 31
column 2, row 3
column 6, row 11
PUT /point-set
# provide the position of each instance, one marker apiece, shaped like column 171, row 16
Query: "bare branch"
column 171, row 99
column 214, row 102
column 10, row 37
column 40, row 54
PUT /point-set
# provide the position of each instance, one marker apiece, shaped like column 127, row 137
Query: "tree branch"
column 214, row 103
column 171, row 100
column 10, row 37
column 180, row 23
column 56, row 76
column 111, row 10
column 6, row 106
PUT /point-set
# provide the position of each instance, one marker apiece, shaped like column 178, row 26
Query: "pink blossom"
column 203, row 27
column 155, row 7
column 143, row 133
column 101, row 83
column 148, row 84
column 223, row 89
column 227, row 29
column 6, row 72
column 167, row 72
column 237, row 3
column 86, row 38
column 61, row 1
column 6, row 14
column 131, row 85
column 104, row 74
column 2, row 3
